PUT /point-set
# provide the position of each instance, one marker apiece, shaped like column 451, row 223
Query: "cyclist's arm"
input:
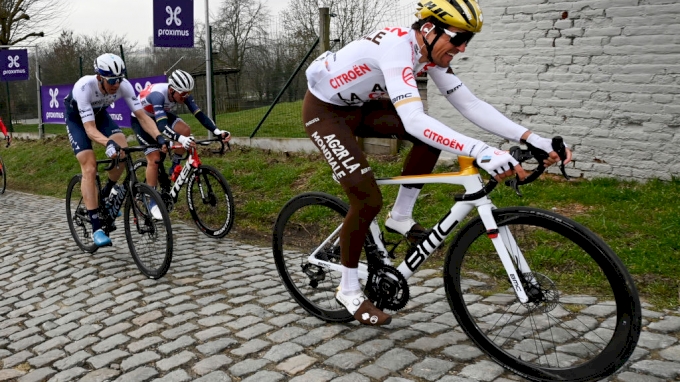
column 200, row 115
column 82, row 96
column 475, row 110
column 147, row 123
column 157, row 100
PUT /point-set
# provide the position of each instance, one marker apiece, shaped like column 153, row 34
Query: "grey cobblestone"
column 222, row 314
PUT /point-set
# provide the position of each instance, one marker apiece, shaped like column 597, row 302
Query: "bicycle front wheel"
column 77, row 217
column 149, row 239
column 583, row 317
column 210, row 202
column 310, row 222
column 3, row 177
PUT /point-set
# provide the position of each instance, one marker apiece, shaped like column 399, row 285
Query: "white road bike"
column 539, row 293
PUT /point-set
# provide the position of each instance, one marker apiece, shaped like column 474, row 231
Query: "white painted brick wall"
column 606, row 78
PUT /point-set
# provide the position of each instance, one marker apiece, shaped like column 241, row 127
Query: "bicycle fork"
column 504, row 243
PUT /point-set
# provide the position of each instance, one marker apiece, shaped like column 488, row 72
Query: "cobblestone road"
column 221, row 314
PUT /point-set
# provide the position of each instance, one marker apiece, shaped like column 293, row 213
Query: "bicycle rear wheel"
column 210, row 202
column 149, row 240
column 3, row 177
column 583, row 319
column 301, row 227
column 77, row 217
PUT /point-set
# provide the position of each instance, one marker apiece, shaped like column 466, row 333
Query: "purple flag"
column 173, row 23
column 52, row 100
column 14, row 65
column 53, row 109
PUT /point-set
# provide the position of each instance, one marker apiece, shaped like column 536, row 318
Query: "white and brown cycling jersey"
column 384, row 64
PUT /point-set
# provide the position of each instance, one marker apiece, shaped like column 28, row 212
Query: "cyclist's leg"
column 82, row 148
column 381, row 120
column 331, row 129
column 152, row 154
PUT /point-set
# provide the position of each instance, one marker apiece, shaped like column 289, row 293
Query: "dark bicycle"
column 149, row 238
column 209, row 198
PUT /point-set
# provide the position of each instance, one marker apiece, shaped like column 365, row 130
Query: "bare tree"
column 351, row 18
column 26, row 20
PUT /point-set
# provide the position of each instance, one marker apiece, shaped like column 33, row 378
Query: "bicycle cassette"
column 387, row 287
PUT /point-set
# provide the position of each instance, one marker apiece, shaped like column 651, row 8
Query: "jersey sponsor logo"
column 408, row 77
column 53, row 98
column 313, row 121
column 402, row 97
column 449, row 142
column 351, row 75
column 353, row 99
column 450, row 91
column 378, row 35
column 426, row 68
column 336, row 155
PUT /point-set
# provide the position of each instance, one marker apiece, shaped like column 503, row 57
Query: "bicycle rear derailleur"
column 387, row 287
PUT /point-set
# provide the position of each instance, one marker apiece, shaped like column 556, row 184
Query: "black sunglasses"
column 459, row 38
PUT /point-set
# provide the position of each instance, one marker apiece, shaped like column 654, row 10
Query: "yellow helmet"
column 463, row 14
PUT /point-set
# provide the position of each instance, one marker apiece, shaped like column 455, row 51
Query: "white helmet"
column 109, row 65
column 181, row 81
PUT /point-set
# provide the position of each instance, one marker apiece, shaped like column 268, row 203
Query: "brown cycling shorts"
column 334, row 129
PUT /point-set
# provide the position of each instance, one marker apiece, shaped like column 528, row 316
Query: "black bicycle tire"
column 293, row 205
column 229, row 221
column 628, row 323
column 3, row 175
column 75, row 180
column 162, row 269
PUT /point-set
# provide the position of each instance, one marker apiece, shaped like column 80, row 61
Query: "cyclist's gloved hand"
column 543, row 144
column 163, row 142
column 496, row 162
column 112, row 148
column 186, row 142
column 223, row 133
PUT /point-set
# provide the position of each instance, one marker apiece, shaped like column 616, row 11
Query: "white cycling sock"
column 403, row 205
column 349, row 283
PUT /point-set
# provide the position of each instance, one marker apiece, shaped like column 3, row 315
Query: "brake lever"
column 561, row 150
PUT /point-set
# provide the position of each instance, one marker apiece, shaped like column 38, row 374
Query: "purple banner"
column 173, row 23
column 53, row 109
column 14, row 65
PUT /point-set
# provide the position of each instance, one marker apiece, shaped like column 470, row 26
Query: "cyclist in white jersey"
column 159, row 102
column 368, row 89
column 87, row 120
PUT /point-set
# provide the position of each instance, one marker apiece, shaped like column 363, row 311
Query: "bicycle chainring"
column 387, row 287
column 542, row 292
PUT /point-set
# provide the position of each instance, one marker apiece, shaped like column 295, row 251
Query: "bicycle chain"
column 387, row 287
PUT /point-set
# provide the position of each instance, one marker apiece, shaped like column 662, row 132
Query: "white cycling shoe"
column 408, row 228
column 155, row 211
column 363, row 309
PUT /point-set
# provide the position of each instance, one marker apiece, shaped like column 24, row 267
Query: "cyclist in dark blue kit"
column 158, row 102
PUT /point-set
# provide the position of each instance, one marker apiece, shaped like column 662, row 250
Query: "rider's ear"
column 426, row 28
